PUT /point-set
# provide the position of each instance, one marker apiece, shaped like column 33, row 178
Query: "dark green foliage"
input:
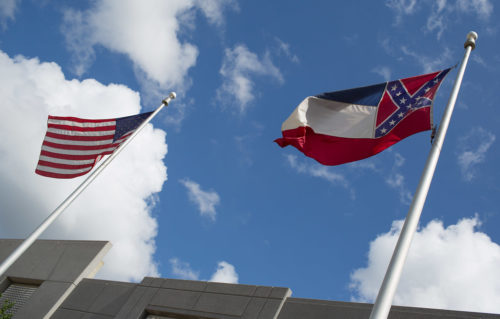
column 4, row 314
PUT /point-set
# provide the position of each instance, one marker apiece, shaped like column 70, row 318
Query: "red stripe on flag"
column 65, row 166
column 71, row 157
column 77, row 147
column 79, row 120
column 81, row 129
column 56, row 175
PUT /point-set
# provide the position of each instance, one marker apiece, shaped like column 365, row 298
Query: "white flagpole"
column 387, row 290
column 48, row 221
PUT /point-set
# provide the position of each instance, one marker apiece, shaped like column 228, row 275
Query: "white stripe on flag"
column 78, row 133
column 333, row 118
column 65, row 161
column 63, row 171
column 74, row 142
column 77, row 152
column 80, row 124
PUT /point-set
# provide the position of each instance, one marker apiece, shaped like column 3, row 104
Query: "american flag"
column 72, row 146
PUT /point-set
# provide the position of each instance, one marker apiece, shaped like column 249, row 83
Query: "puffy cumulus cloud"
column 454, row 267
column 225, row 272
column 206, row 200
column 147, row 32
column 116, row 206
column 472, row 151
column 239, row 67
column 7, row 11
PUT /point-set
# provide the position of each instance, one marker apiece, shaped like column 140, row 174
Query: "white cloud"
column 392, row 176
column 206, row 200
column 239, row 67
column 149, row 33
column 473, row 148
column 7, row 11
column 121, row 196
column 225, row 272
column 383, row 71
column 479, row 60
column 482, row 8
column 213, row 9
column 442, row 12
column 284, row 48
column 182, row 270
column 320, row 171
column 430, row 64
column 396, row 180
column 437, row 19
column 402, row 7
column 448, row 268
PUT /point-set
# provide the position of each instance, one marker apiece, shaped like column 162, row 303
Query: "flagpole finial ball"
column 170, row 97
column 471, row 40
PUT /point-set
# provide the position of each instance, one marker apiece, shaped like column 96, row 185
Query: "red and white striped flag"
column 72, row 146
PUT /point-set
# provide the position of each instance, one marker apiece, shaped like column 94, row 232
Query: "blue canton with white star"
column 128, row 124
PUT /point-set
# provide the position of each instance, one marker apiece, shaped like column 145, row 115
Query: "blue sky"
column 205, row 194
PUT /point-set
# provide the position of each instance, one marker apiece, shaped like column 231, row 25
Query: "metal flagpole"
column 387, row 290
column 48, row 221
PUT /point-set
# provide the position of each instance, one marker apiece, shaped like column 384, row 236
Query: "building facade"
column 53, row 279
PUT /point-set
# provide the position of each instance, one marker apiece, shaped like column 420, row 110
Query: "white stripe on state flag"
column 333, row 118
column 81, row 124
column 77, row 142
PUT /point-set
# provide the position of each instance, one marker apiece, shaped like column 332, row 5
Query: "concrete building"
column 53, row 280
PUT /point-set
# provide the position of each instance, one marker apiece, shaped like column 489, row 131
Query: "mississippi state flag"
column 350, row 125
column 72, row 146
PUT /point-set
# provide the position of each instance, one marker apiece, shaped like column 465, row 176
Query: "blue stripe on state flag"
column 367, row 95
